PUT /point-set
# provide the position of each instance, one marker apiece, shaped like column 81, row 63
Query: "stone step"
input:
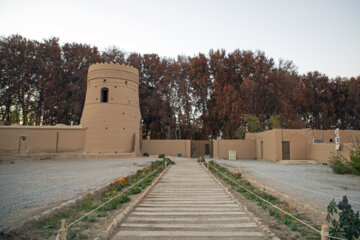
column 188, row 234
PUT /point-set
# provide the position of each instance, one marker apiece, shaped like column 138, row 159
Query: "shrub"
column 161, row 155
column 355, row 160
column 348, row 223
column 340, row 165
column 145, row 154
column 135, row 190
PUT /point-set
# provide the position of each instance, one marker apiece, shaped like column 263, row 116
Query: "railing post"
column 324, row 232
column 165, row 164
column 239, row 168
column 63, row 231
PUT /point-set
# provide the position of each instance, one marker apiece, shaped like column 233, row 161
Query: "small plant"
column 145, row 154
column 135, row 190
column 355, row 160
column 340, row 165
column 161, row 155
column 348, row 223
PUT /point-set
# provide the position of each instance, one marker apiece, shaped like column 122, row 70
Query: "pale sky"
column 321, row 35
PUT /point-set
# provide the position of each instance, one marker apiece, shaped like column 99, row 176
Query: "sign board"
column 337, row 139
column 232, row 155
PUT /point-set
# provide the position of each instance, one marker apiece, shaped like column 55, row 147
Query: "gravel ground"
column 311, row 184
column 29, row 186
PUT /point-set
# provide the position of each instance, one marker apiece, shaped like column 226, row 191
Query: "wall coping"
column 56, row 127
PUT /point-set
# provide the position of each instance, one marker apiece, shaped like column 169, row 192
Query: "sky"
column 321, row 35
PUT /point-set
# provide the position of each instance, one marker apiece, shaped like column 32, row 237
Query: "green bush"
column 161, row 156
column 135, row 190
column 348, row 223
column 145, row 154
column 340, row 165
column 355, row 160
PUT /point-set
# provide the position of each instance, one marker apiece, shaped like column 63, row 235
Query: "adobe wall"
column 298, row 143
column 245, row 149
column 346, row 136
column 322, row 152
column 349, row 136
column 271, row 147
column 50, row 139
column 167, row 147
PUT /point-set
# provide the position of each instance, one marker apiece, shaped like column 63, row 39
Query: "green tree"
column 253, row 123
column 275, row 121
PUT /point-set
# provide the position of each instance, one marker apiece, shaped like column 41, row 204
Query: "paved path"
column 311, row 184
column 188, row 204
column 29, row 186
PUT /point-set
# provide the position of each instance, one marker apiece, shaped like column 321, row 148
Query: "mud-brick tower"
column 111, row 111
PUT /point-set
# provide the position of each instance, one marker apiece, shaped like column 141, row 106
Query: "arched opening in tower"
column 104, row 95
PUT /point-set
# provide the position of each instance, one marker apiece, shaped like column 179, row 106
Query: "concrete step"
column 187, row 213
column 191, row 225
column 185, row 209
column 163, row 205
column 188, row 204
column 187, row 234
column 184, row 219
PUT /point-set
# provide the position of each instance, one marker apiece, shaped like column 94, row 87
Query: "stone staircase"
column 188, row 204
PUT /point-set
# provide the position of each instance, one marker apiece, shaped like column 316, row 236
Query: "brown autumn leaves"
column 191, row 97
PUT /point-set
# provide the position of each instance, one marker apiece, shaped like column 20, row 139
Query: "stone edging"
column 263, row 227
column 120, row 217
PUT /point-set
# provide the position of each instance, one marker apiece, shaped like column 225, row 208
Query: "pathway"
column 186, row 204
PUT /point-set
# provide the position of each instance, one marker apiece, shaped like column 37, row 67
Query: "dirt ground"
column 311, row 184
column 30, row 185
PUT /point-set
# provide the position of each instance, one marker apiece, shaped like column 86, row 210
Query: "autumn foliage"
column 198, row 97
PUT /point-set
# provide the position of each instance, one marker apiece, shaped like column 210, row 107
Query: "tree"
column 18, row 76
column 113, row 54
column 275, row 121
column 76, row 60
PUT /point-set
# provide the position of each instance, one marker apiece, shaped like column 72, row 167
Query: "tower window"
column 104, row 95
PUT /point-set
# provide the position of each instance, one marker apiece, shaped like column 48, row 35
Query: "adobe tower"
column 111, row 111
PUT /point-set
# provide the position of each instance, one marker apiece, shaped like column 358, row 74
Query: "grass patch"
column 281, row 218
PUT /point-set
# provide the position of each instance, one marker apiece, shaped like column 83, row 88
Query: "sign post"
column 337, row 139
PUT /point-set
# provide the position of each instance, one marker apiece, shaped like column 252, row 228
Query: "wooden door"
column 285, row 150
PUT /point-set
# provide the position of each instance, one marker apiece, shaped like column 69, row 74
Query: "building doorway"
column 201, row 148
column 285, row 150
column 207, row 149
